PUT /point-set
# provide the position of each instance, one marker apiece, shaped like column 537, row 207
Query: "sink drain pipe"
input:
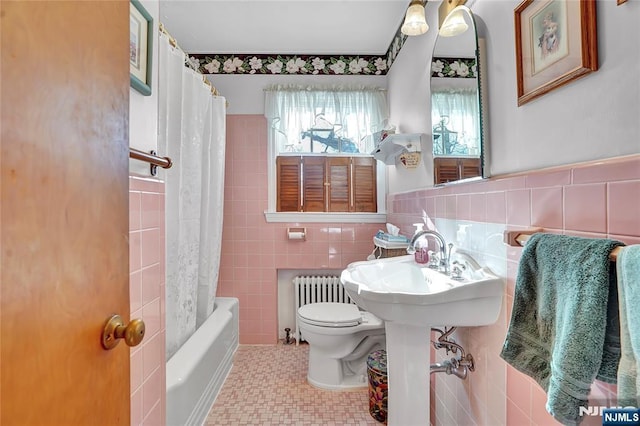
column 459, row 367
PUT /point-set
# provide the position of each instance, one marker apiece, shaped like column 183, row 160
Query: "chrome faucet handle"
column 434, row 260
column 446, row 262
column 457, row 269
column 442, row 261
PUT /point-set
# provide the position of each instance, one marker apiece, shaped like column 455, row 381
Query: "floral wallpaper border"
column 298, row 64
column 454, row 67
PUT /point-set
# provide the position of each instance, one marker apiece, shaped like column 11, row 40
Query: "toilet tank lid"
column 336, row 314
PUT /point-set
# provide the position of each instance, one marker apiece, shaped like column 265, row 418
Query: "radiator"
column 314, row 289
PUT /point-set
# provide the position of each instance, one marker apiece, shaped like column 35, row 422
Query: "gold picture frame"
column 140, row 47
column 556, row 43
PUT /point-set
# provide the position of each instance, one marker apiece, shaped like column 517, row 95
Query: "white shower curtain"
column 192, row 133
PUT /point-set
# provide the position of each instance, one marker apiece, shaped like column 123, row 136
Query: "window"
column 326, row 184
column 455, row 112
column 319, row 150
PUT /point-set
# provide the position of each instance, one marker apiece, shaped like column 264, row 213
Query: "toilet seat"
column 330, row 314
column 340, row 337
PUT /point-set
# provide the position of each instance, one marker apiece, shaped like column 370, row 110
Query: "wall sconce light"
column 415, row 22
column 451, row 24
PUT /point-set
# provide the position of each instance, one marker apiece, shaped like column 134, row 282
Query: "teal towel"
column 628, row 267
column 564, row 328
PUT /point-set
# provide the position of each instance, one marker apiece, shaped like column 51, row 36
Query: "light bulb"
column 453, row 25
column 415, row 22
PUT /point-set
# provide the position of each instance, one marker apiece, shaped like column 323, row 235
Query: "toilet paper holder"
column 297, row 234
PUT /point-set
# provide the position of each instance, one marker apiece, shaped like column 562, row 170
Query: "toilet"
column 340, row 338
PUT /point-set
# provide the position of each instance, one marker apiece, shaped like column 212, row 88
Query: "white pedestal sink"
column 411, row 298
column 407, row 374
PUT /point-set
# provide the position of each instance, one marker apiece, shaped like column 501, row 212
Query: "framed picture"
column 556, row 43
column 140, row 47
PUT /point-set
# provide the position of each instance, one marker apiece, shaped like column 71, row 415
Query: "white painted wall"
column 143, row 110
column 410, row 102
column 592, row 118
column 595, row 117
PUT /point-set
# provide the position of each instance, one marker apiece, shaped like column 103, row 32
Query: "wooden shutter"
column 338, row 172
column 364, row 184
column 313, row 178
column 326, row 184
column 288, row 184
column 445, row 169
column 469, row 167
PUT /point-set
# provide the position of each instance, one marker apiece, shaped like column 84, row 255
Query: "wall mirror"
column 456, row 107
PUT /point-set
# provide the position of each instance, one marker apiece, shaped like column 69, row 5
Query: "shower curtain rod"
column 172, row 41
column 174, row 44
column 152, row 158
column 519, row 238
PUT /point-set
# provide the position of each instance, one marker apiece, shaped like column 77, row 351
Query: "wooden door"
column 64, row 211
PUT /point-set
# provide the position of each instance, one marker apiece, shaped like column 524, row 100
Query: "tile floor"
column 267, row 386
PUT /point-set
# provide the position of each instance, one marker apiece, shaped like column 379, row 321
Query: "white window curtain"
column 459, row 109
column 354, row 113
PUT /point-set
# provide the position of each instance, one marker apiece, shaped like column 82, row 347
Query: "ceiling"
column 305, row 27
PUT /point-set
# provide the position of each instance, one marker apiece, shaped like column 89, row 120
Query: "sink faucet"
column 442, row 244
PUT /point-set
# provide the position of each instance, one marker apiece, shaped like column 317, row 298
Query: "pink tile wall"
column 253, row 250
column 599, row 200
column 147, row 298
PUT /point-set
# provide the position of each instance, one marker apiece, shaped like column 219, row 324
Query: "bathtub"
column 196, row 372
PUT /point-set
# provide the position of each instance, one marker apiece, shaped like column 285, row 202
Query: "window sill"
column 325, row 217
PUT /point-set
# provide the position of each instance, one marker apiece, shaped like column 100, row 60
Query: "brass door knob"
column 115, row 329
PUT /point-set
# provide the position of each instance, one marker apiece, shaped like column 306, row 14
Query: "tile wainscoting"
column 253, row 250
column 597, row 199
column 147, row 299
